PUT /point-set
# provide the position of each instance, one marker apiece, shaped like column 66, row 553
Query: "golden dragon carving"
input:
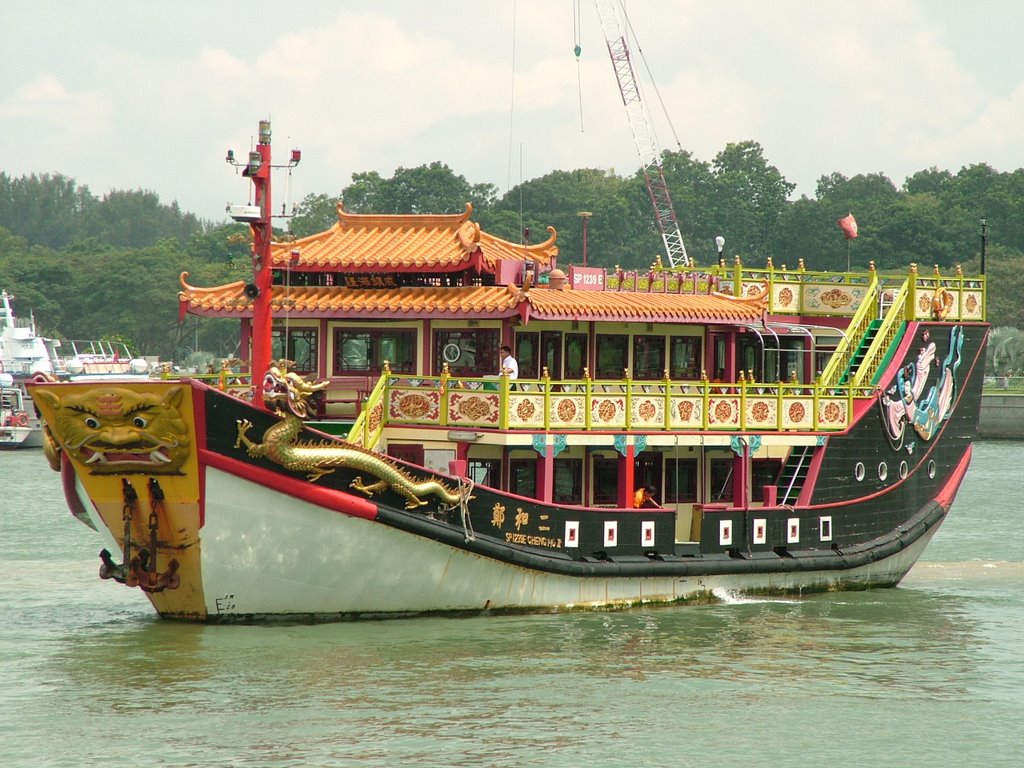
column 281, row 445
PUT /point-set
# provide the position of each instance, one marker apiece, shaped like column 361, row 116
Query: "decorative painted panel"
column 473, row 408
column 784, row 297
column 971, row 305
column 833, row 299
column 723, row 412
column 525, row 410
column 568, row 411
column 418, row 407
column 762, row 412
column 648, row 411
column 833, row 413
column 797, row 413
column 687, row 412
column 607, row 412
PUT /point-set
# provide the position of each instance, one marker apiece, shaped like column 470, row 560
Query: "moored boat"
column 823, row 453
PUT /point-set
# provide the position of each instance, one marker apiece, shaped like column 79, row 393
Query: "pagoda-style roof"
column 378, row 243
column 605, row 306
column 470, row 302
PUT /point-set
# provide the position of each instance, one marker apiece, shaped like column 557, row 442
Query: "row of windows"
column 474, row 352
column 680, row 479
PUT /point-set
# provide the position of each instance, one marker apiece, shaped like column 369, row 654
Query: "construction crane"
column 614, row 27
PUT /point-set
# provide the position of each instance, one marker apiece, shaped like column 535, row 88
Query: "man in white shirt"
column 508, row 363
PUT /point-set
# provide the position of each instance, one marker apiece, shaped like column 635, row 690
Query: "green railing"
column 881, row 345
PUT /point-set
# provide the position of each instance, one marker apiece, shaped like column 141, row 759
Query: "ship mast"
column 259, row 217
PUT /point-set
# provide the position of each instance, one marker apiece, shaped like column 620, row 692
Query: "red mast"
column 259, row 217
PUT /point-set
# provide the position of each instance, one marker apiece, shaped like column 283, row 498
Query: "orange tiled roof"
column 413, row 243
column 230, row 300
column 643, row 307
column 479, row 301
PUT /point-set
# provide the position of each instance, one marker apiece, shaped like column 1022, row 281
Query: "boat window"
column 302, row 348
column 468, row 352
column 648, row 357
column 612, row 355
column 721, row 480
column 522, row 477
column 883, row 471
column 680, row 481
column 575, row 355
column 568, row 481
column 606, row 481
column 684, row 357
column 858, row 471
column 360, row 350
column 526, row 354
column 485, row 472
column 763, row 472
column 551, row 353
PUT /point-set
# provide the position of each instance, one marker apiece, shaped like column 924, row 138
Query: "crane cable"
column 512, row 102
column 577, row 49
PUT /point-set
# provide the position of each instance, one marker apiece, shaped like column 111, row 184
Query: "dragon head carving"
column 114, row 430
column 286, row 389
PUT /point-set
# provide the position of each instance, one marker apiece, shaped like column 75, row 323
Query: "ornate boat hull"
column 222, row 512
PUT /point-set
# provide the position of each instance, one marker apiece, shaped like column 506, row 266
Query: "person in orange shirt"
column 644, row 498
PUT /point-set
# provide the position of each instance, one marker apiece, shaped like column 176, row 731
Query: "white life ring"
column 451, row 352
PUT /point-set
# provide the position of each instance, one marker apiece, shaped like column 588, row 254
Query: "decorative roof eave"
column 423, row 243
column 391, row 304
column 614, row 306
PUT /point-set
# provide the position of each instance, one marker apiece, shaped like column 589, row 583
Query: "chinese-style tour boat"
column 822, row 453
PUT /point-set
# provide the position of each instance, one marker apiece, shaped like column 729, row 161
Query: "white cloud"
column 152, row 100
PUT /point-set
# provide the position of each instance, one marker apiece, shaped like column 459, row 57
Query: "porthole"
column 903, row 470
column 931, row 469
column 883, row 471
column 858, row 471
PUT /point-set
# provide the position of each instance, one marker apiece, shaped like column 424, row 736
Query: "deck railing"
column 604, row 405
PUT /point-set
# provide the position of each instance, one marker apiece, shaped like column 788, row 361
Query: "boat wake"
column 733, row 597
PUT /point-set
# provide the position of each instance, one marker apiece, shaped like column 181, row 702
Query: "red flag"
column 849, row 226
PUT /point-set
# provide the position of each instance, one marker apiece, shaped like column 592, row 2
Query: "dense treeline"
column 90, row 267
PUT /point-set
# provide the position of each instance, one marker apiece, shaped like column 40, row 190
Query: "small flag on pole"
column 849, row 226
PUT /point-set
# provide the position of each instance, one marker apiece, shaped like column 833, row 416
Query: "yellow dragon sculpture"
column 288, row 395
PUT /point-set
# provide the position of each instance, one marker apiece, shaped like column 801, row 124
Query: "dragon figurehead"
column 114, row 430
column 284, row 389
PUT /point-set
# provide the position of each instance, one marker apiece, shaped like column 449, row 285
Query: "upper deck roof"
column 407, row 243
column 538, row 303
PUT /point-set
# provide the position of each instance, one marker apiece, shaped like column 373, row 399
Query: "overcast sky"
column 127, row 94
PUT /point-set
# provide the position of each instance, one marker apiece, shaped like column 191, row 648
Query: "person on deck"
column 508, row 363
column 644, row 498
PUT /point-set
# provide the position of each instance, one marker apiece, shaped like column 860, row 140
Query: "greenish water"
column 929, row 674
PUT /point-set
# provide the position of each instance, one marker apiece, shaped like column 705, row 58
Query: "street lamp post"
column 720, row 245
column 585, row 215
column 984, row 241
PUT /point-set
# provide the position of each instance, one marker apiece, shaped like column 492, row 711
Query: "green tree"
column 433, row 188
column 556, row 199
column 748, row 197
column 315, row 214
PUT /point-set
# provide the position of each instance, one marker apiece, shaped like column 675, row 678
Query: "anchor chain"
column 140, row 570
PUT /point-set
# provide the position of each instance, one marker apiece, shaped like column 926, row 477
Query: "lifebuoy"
column 942, row 302
column 451, row 352
column 21, row 419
